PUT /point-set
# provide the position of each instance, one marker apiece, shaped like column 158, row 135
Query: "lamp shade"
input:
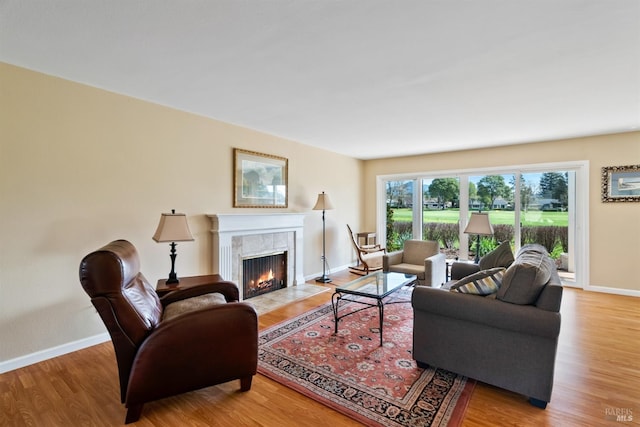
column 173, row 227
column 323, row 203
column 479, row 224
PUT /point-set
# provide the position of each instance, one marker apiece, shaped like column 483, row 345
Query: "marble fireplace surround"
column 236, row 236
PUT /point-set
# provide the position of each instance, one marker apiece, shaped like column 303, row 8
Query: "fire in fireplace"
column 264, row 274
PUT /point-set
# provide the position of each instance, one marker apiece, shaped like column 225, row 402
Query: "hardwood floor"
column 597, row 377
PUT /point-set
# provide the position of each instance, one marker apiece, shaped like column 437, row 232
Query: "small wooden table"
column 368, row 237
column 186, row 282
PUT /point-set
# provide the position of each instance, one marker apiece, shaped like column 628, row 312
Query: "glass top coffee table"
column 376, row 285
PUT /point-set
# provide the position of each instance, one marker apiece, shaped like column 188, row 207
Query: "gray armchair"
column 419, row 257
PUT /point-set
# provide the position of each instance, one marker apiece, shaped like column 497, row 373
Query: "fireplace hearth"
column 264, row 274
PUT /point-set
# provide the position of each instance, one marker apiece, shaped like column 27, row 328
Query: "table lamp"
column 173, row 228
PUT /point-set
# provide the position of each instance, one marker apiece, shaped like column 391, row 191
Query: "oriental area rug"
column 351, row 373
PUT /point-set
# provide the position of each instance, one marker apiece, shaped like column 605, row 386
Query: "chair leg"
column 245, row 383
column 133, row 413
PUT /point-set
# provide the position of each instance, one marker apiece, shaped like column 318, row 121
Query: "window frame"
column 579, row 200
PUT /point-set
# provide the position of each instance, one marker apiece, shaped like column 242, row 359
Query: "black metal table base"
column 338, row 296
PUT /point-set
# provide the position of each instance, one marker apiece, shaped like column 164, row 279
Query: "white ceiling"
column 365, row 78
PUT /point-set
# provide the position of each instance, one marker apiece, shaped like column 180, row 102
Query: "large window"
column 399, row 213
column 494, row 194
column 441, row 212
column 525, row 205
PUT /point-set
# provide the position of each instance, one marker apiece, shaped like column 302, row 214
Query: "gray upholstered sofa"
column 507, row 339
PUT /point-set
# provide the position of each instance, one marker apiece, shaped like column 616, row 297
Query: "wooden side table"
column 187, row 282
column 369, row 237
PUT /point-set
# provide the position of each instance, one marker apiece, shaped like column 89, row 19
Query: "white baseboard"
column 39, row 356
column 50, row 353
column 331, row 270
column 615, row 291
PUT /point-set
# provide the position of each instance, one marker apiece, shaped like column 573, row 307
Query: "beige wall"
column 80, row 167
column 614, row 228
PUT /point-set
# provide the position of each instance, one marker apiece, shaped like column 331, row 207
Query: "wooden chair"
column 369, row 256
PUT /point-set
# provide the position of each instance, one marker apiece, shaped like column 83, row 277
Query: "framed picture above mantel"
column 621, row 183
column 259, row 180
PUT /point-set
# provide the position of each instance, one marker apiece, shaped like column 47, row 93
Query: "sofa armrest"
column 391, row 259
column 475, row 309
column 550, row 298
column 463, row 269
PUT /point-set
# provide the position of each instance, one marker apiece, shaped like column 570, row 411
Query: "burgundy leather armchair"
column 159, row 357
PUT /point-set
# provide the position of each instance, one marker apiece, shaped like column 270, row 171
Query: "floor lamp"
column 323, row 204
column 479, row 225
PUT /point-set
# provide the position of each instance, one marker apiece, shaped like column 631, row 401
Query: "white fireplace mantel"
column 226, row 227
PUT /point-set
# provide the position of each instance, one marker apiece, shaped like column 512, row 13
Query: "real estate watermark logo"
column 623, row 415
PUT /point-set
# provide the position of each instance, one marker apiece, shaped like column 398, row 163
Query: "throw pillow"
column 532, row 247
column 502, row 256
column 485, row 282
column 526, row 277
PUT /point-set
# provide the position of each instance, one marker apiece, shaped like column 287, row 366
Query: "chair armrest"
column 373, row 249
column 463, row 269
column 219, row 321
column 228, row 289
column 211, row 330
column 435, row 270
column 391, row 259
column 480, row 310
column 215, row 344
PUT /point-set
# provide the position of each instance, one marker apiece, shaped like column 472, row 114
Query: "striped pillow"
column 485, row 282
